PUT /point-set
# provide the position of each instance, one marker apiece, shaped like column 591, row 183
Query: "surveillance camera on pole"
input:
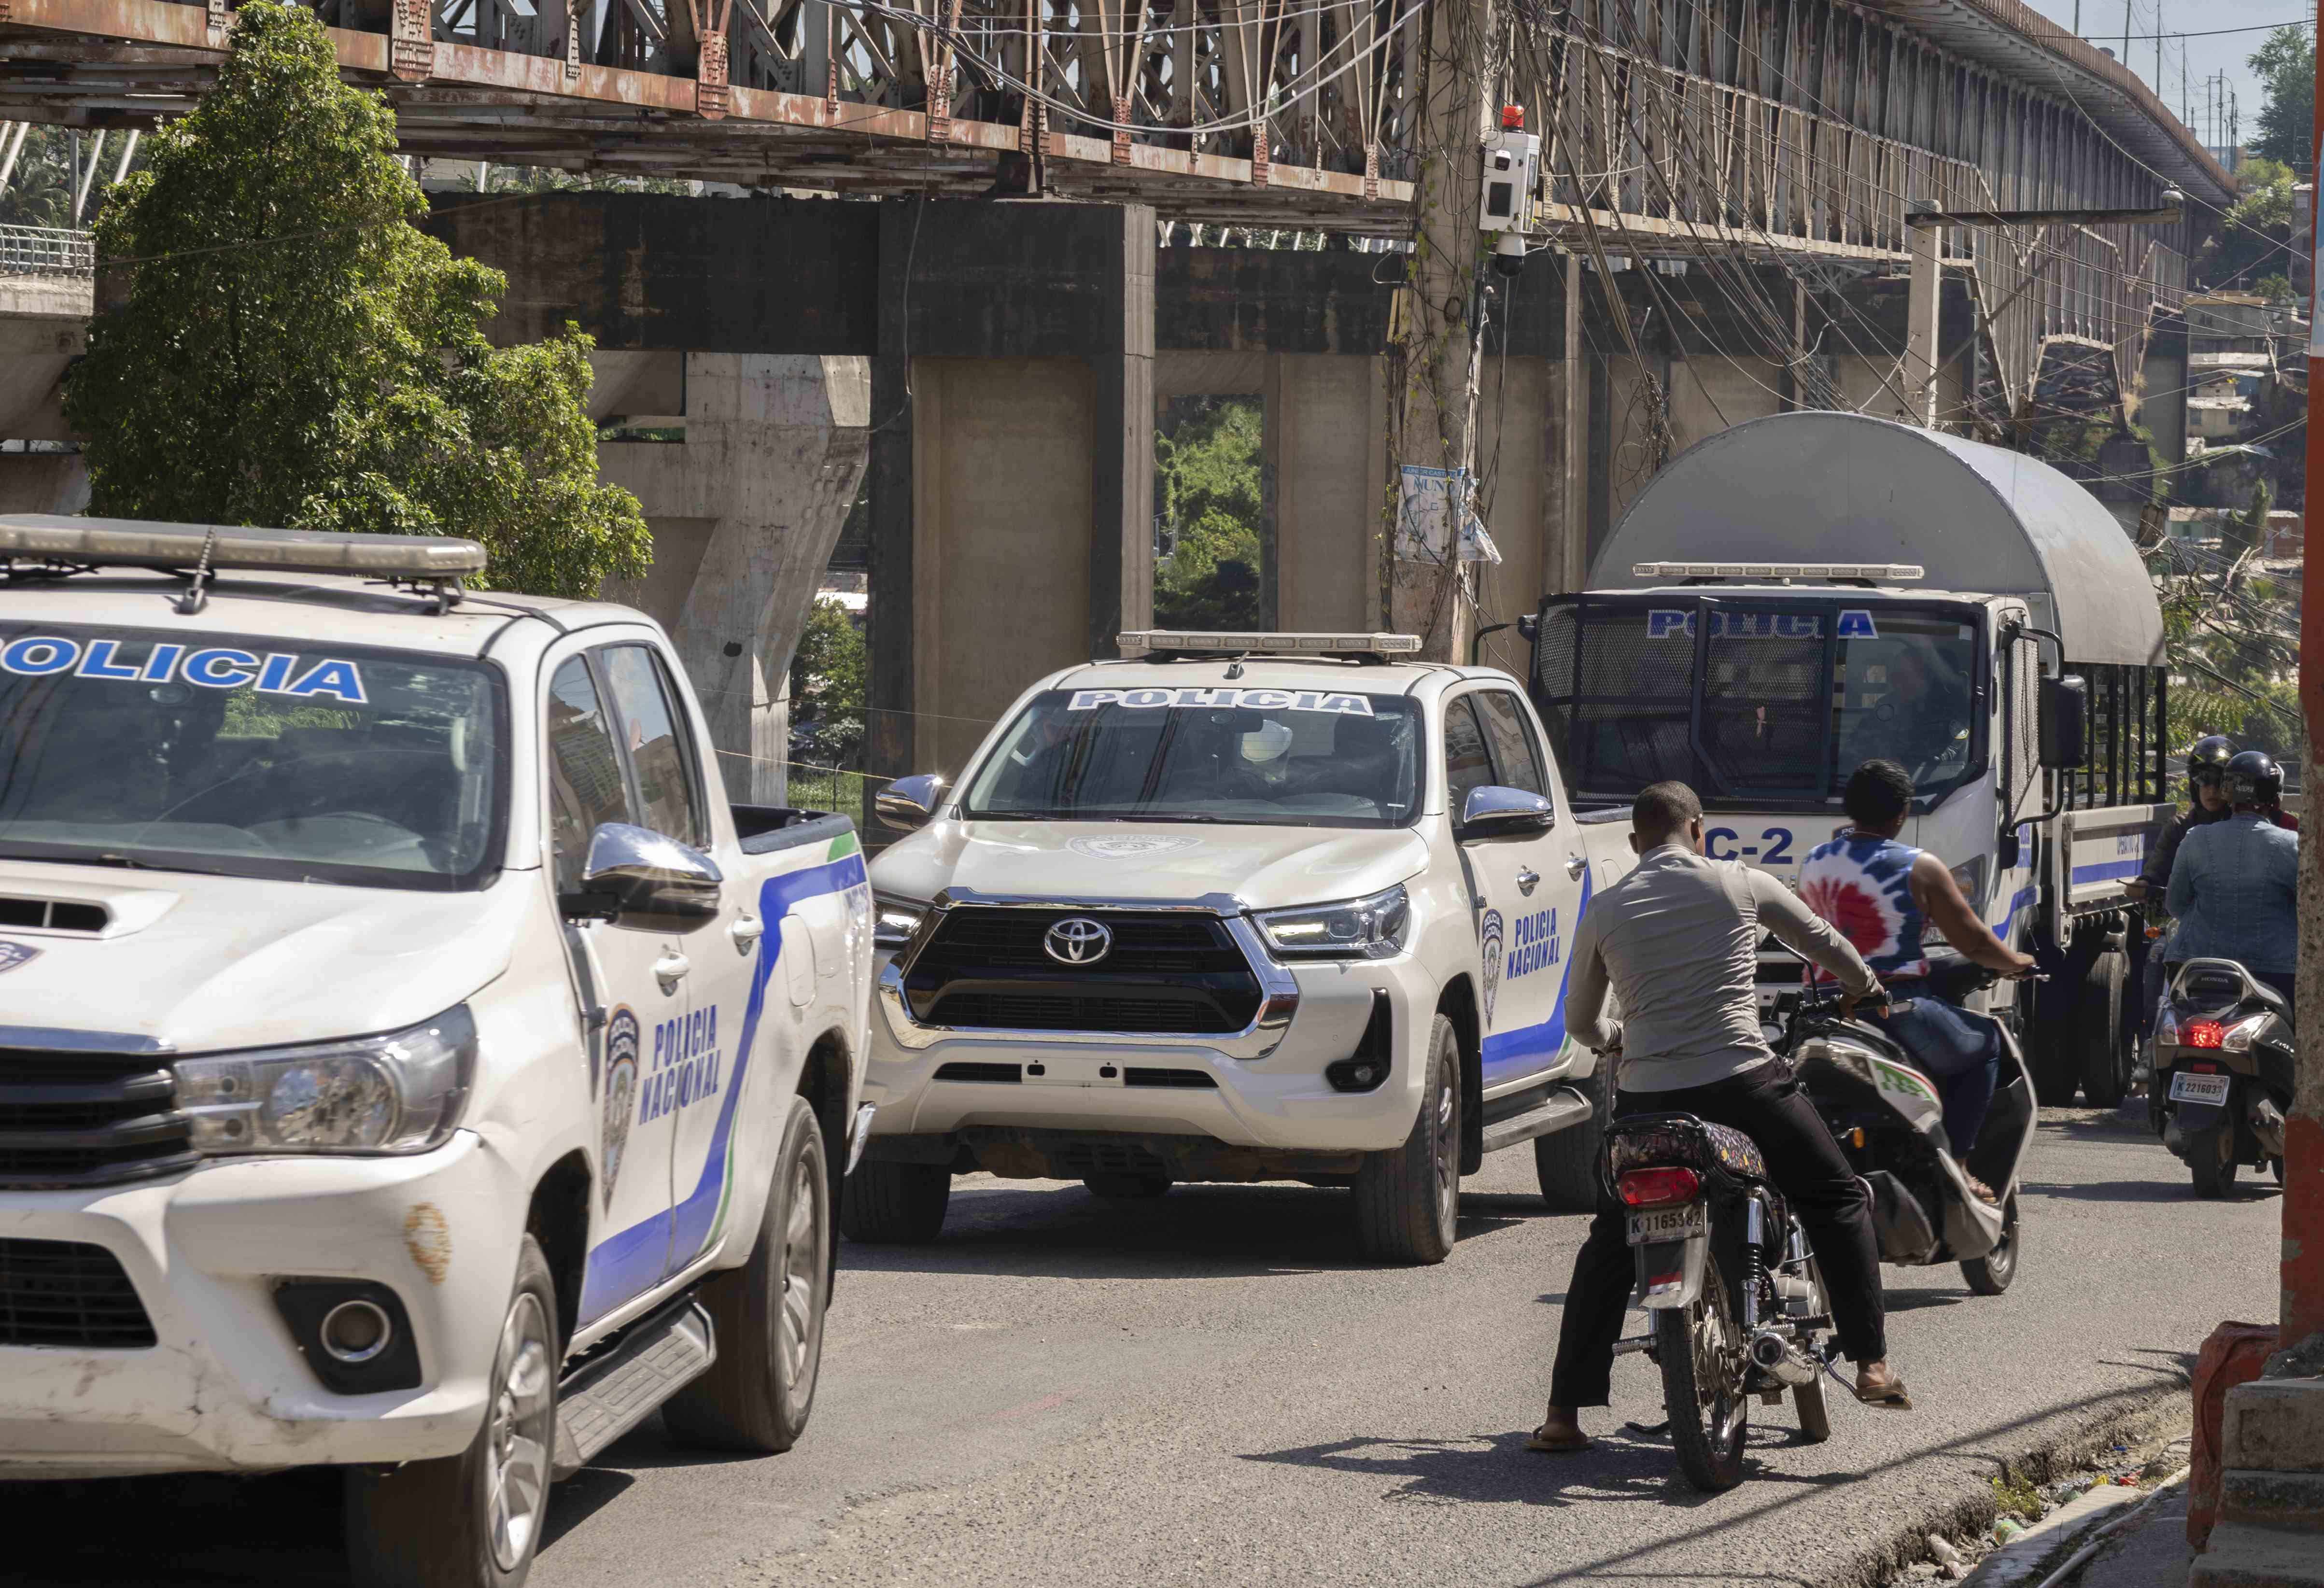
column 1512, row 182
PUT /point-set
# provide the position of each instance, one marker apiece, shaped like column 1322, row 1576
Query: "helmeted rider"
column 1677, row 942
column 2235, row 886
column 2206, row 802
column 1882, row 895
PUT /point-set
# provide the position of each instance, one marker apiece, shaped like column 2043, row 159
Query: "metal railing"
column 47, row 251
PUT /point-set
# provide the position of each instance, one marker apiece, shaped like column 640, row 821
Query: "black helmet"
column 2255, row 779
column 2207, row 762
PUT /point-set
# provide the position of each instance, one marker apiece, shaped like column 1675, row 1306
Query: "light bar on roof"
column 104, row 542
column 1884, row 572
column 1149, row 641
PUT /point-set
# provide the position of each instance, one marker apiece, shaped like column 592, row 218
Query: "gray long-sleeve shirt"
column 1678, row 939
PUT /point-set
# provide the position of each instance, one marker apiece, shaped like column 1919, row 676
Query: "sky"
column 2201, row 49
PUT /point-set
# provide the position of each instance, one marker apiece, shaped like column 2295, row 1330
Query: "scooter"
column 2223, row 1063
column 1888, row 1118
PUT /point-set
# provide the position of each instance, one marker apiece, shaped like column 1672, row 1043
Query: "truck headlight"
column 1359, row 928
column 894, row 920
column 398, row 1092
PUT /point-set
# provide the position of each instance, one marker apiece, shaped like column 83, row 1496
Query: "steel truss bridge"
column 1791, row 129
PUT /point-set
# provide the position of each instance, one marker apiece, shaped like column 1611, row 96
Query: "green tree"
column 291, row 349
column 829, row 681
column 2258, row 230
column 2286, row 68
column 1208, row 491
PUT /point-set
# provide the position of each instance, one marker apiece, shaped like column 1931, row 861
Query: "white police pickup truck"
column 408, row 1060
column 1246, row 906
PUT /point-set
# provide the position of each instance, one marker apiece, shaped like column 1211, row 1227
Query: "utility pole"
column 2184, row 107
column 1429, row 591
column 2158, row 49
column 2126, row 39
column 2303, row 1133
column 2077, row 18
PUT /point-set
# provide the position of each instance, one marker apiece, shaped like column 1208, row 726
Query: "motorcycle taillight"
column 1659, row 1187
column 2202, row 1034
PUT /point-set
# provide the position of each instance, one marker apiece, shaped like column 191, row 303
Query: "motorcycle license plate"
column 1669, row 1223
column 2188, row 1087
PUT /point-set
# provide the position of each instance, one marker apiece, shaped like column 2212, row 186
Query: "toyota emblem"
column 1078, row 940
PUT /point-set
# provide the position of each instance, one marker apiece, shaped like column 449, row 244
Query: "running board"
column 605, row 1397
column 1562, row 1107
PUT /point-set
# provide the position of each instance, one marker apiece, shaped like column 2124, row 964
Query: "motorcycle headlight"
column 394, row 1094
column 2246, row 1031
column 1359, row 928
column 894, row 920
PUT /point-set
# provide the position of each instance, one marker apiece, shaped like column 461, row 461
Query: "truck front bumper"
column 224, row 1387
column 933, row 1083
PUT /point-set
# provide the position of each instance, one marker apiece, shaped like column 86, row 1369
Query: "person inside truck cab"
column 1882, row 896
column 2235, row 886
column 1922, row 711
column 1677, row 942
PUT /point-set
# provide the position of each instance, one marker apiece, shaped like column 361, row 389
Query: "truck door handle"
column 1527, row 880
column 1575, row 865
column 746, row 932
column 670, row 969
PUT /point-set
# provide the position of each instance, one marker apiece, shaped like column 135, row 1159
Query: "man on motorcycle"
column 1678, row 939
column 1883, row 895
column 2235, row 886
column 2207, row 795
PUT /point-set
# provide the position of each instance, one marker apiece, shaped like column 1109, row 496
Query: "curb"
column 2130, row 1418
column 2054, row 1537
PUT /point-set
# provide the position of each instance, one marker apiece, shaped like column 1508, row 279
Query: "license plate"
column 1669, row 1223
column 2186, row 1087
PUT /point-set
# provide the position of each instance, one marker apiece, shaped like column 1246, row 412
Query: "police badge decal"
column 13, row 954
column 1492, row 932
column 621, row 1091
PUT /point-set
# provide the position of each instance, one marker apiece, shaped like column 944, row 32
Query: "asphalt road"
column 1215, row 1388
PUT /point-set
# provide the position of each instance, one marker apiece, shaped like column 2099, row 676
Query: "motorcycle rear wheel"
column 1807, row 1399
column 2211, row 1161
column 1700, row 1350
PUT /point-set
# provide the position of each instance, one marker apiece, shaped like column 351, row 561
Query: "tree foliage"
column 2286, row 68
column 291, row 349
column 2233, row 635
column 2257, row 234
column 829, row 684
column 1208, row 486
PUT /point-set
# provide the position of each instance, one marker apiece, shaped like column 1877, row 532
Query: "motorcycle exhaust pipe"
column 1780, row 1360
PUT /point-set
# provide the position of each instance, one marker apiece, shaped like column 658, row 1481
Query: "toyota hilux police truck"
column 409, row 1060
column 1244, row 906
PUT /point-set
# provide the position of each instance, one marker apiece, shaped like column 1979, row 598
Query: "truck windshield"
column 1269, row 757
column 1791, row 697
column 247, row 756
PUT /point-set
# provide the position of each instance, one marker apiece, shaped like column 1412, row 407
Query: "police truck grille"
column 66, row 1293
column 1165, row 975
column 71, row 1120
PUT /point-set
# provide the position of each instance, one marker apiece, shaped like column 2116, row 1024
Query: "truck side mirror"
column 638, row 877
column 2064, row 718
column 906, row 804
column 2006, row 851
column 1494, row 812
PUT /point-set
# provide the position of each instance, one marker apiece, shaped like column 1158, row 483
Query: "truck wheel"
column 1408, row 1198
column 768, row 1313
column 472, row 1520
column 2105, row 1061
column 1565, row 1162
column 895, row 1203
column 1127, row 1187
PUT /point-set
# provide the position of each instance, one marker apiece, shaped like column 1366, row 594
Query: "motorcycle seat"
column 1662, row 1140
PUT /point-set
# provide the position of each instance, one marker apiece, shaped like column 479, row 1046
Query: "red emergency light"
column 1512, row 118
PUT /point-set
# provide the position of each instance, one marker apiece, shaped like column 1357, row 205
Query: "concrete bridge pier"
column 744, row 513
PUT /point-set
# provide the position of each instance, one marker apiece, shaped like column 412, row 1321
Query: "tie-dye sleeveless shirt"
column 1862, row 886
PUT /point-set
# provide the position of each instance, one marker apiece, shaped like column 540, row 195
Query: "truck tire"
column 1408, row 1198
column 1565, row 1162
column 768, row 1313
column 2106, row 1056
column 472, row 1520
column 895, row 1203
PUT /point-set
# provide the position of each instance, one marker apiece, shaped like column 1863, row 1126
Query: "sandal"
column 1888, row 1393
column 1984, row 1192
column 1544, row 1441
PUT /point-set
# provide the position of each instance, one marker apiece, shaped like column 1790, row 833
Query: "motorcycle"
column 2223, row 1064
column 1736, row 1303
column 1724, row 1268
column 1888, row 1118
